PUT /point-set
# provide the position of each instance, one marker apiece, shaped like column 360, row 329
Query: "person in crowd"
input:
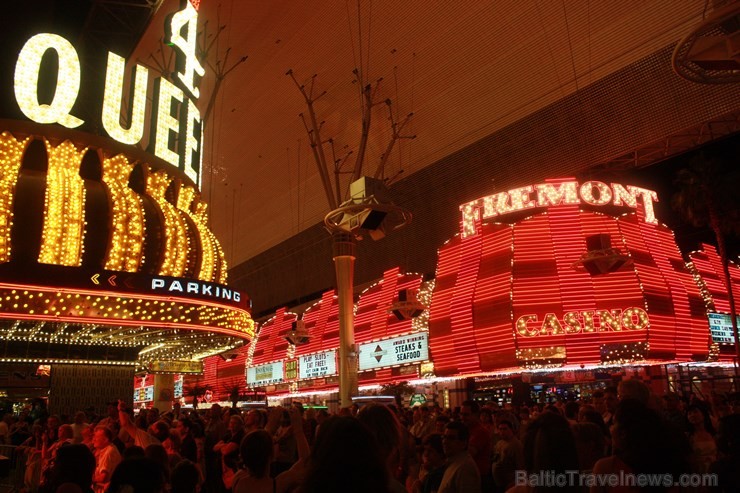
column 590, row 442
column 549, row 446
column 384, row 425
column 636, row 389
column 727, row 466
column 72, row 471
column 185, row 478
column 592, row 416
column 87, row 433
column 158, row 453
column 172, row 446
column 20, row 430
column 462, row 474
column 433, row 464
column 440, row 423
column 611, row 400
column 80, row 422
column 107, row 458
column 701, row 437
column 286, row 447
column 310, row 423
column 137, row 475
column 508, row 456
column 132, row 451
column 229, row 450
column 49, row 450
column 345, row 457
column 188, row 448
column 642, row 443
column 570, row 411
column 5, row 425
column 157, row 432
column 321, row 416
column 422, row 424
column 111, row 419
column 51, row 432
column 673, row 413
column 214, row 432
column 256, row 451
column 254, row 420
column 479, row 442
column 32, row 448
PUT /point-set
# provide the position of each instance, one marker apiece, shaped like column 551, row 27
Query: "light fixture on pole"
column 370, row 212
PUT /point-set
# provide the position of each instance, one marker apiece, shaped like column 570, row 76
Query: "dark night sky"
column 661, row 178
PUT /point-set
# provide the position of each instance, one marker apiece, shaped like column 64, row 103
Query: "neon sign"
column 588, row 321
column 185, row 286
column 554, row 194
column 176, row 129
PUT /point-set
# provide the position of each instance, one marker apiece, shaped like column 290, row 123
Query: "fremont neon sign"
column 594, row 193
column 176, row 130
column 586, row 322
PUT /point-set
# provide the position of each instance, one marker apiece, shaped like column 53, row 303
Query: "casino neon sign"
column 585, row 322
column 595, row 193
column 176, row 130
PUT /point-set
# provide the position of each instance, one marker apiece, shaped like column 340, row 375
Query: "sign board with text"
column 410, row 348
column 318, row 364
column 270, row 373
column 720, row 325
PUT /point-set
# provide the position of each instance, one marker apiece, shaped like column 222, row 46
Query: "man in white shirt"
column 461, row 475
column 107, row 458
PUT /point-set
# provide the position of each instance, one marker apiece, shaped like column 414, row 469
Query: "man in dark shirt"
column 188, row 447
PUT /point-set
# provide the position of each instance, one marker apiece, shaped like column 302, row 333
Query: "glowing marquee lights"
column 551, row 194
column 64, row 203
column 11, row 152
column 177, row 131
column 588, row 321
column 26, row 82
column 125, row 253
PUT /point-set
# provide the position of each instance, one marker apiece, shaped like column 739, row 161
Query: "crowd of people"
column 478, row 447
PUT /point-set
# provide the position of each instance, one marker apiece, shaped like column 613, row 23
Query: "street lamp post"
column 370, row 213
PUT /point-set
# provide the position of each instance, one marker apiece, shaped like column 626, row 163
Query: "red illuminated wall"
column 271, row 344
column 486, row 281
column 709, row 266
column 374, row 321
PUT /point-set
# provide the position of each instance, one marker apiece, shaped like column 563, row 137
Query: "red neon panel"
column 271, row 344
column 322, row 323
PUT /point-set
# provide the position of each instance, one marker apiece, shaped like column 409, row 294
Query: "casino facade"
column 533, row 269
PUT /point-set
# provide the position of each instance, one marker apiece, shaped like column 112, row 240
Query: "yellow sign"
column 175, row 366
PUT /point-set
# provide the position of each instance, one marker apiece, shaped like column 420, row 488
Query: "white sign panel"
column 318, row 365
column 411, row 348
column 721, row 327
column 265, row 374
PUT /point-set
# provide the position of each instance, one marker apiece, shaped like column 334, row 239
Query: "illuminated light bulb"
column 603, row 191
column 63, row 230
column 11, row 153
column 26, row 80
column 111, row 116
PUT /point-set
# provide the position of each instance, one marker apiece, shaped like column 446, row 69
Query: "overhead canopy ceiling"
column 463, row 70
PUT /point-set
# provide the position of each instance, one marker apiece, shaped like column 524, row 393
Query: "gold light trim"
column 211, row 268
column 219, row 257
column 135, row 310
column 176, row 233
column 11, row 154
column 127, row 217
column 64, row 207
